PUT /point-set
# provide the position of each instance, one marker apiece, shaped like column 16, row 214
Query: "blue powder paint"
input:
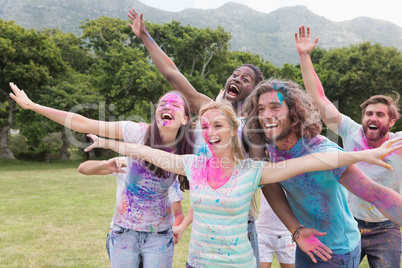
column 217, row 200
column 237, row 240
column 280, row 97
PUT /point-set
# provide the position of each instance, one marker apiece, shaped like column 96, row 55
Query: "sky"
column 334, row 10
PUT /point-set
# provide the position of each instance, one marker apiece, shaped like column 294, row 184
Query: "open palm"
column 138, row 25
column 303, row 41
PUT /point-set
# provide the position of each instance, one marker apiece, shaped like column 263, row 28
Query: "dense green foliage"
column 107, row 74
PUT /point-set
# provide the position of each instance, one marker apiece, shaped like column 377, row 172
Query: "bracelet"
column 295, row 235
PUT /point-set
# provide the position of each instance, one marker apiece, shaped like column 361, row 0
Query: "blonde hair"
column 228, row 111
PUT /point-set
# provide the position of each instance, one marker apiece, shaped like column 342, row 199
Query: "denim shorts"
column 381, row 242
column 348, row 260
column 128, row 246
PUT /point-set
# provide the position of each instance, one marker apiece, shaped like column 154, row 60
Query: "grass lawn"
column 52, row 216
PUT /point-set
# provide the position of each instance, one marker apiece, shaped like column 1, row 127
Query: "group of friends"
column 320, row 206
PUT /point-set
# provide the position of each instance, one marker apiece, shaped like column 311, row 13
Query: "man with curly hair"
column 380, row 237
column 283, row 116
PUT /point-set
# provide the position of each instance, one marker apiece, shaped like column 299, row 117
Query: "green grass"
column 52, row 216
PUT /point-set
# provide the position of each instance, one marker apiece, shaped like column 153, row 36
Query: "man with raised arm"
column 380, row 237
column 238, row 86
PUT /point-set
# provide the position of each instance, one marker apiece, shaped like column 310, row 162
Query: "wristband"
column 295, row 235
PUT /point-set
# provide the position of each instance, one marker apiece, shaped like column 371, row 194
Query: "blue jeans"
column 348, row 260
column 381, row 242
column 253, row 237
column 128, row 246
column 107, row 241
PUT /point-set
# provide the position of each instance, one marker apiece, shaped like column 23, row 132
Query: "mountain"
column 269, row 35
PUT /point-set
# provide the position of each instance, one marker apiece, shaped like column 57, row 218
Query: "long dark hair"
column 183, row 144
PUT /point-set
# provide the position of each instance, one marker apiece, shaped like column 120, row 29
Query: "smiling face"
column 273, row 115
column 170, row 111
column 216, row 130
column 240, row 84
column 376, row 122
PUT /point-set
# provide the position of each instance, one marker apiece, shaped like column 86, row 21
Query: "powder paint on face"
column 172, row 104
column 280, row 97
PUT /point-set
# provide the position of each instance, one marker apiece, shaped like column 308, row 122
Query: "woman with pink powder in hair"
column 143, row 217
column 222, row 186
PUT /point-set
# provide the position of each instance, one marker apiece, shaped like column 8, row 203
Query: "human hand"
column 178, row 232
column 138, row 25
column 20, row 97
column 375, row 156
column 220, row 96
column 98, row 142
column 303, row 42
column 308, row 242
column 116, row 164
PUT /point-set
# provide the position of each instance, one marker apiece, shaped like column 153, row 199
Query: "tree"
column 29, row 59
column 121, row 71
column 351, row 75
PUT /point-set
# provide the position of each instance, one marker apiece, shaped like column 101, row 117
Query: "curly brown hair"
column 304, row 117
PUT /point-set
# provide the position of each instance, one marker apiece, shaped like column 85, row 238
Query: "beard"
column 286, row 131
column 375, row 135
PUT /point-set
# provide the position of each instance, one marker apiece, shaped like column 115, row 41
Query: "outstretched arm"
column 165, row 65
column 103, row 167
column 71, row 120
column 280, row 171
column 384, row 199
column 329, row 113
column 167, row 161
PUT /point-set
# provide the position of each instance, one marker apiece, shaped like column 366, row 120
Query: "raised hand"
column 308, row 242
column 20, row 97
column 303, row 42
column 138, row 25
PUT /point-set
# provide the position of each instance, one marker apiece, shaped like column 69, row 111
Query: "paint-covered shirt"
column 144, row 203
column 219, row 229
column 317, row 198
column 175, row 194
column 354, row 140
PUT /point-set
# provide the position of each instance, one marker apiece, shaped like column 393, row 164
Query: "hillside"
column 270, row 35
